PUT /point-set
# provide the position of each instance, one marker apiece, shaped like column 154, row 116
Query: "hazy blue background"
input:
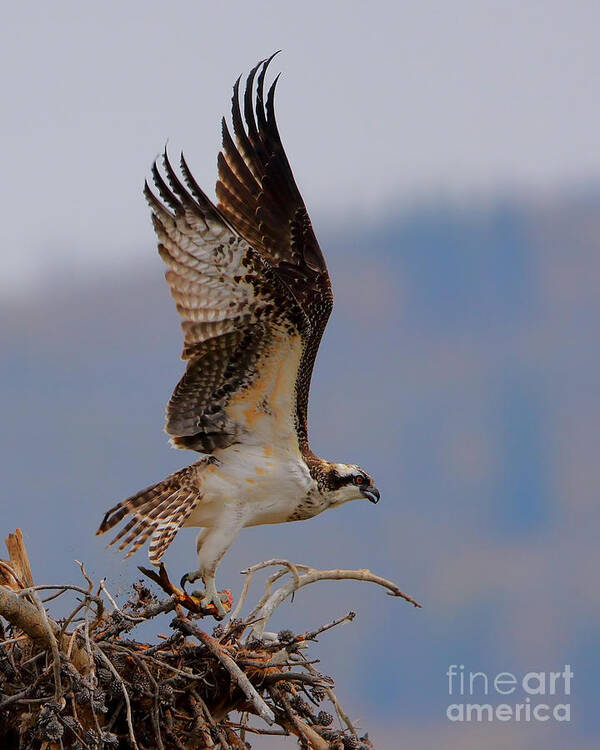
column 449, row 156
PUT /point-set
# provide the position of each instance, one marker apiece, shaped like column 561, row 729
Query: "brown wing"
column 239, row 319
column 258, row 196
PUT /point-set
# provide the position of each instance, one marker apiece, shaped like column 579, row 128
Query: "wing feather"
column 258, row 195
column 248, row 279
column 232, row 307
column 157, row 512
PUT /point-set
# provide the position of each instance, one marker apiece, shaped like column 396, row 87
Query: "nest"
column 83, row 681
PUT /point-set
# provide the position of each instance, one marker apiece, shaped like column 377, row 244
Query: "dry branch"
column 236, row 673
column 82, row 683
column 271, row 600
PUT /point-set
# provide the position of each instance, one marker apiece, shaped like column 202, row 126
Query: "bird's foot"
column 190, row 577
column 210, row 599
column 212, row 596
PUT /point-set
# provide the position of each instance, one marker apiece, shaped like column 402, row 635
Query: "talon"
column 210, row 600
column 215, row 606
column 189, row 577
column 212, row 597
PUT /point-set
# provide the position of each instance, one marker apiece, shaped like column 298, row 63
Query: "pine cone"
column 166, row 694
column 324, row 719
column 328, row 734
column 53, row 730
column 72, row 723
column 300, row 705
column 286, row 636
column 140, row 685
column 109, row 739
column 98, row 701
column 105, row 676
column 119, row 660
column 6, row 668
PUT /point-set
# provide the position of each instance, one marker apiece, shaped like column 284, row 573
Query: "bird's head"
column 345, row 482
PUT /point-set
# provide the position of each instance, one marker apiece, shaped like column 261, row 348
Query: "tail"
column 158, row 511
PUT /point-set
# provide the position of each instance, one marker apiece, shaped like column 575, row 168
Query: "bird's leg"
column 194, row 575
column 211, row 545
column 212, row 596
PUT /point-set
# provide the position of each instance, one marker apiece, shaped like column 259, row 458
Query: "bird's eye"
column 358, row 479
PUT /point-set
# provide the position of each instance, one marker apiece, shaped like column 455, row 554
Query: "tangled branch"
column 82, row 682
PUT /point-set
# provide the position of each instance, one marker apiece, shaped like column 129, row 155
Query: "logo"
column 535, row 696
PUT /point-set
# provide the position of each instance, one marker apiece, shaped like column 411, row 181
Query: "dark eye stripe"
column 358, row 480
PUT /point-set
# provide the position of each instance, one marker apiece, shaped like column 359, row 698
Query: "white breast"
column 265, row 483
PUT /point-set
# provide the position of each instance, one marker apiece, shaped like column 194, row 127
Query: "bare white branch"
column 261, row 614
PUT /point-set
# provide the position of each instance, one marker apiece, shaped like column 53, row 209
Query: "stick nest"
column 83, row 681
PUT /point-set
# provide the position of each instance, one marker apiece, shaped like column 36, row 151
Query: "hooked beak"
column 371, row 493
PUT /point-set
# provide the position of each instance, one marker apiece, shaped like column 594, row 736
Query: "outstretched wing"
column 240, row 322
column 250, row 284
column 258, row 195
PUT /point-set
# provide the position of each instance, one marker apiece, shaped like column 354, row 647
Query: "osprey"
column 252, row 289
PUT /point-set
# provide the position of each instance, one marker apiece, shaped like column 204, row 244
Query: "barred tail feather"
column 158, row 512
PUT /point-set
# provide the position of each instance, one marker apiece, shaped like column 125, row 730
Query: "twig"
column 236, row 673
column 119, row 679
column 209, row 717
column 155, row 711
column 258, row 730
column 92, row 677
column 128, row 622
column 11, row 573
column 53, row 645
column 280, row 658
column 89, row 595
column 71, row 617
column 132, row 618
column 312, row 634
column 19, row 559
column 307, row 679
column 163, row 664
column 23, row 694
column 296, row 725
column 75, row 732
column 16, row 639
column 336, row 704
column 268, row 604
column 249, row 573
column 63, row 587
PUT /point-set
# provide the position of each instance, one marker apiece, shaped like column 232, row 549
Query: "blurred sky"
column 460, row 368
column 379, row 102
column 448, row 154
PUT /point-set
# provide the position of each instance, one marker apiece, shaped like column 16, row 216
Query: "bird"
column 254, row 295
